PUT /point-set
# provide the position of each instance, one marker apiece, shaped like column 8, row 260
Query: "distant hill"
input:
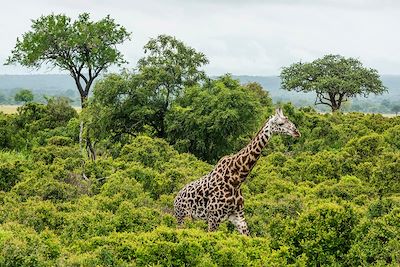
column 59, row 84
column 273, row 85
column 47, row 82
column 41, row 85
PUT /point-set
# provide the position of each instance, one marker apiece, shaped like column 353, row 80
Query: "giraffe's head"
column 281, row 124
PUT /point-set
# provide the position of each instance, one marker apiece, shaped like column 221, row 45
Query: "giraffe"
column 217, row 196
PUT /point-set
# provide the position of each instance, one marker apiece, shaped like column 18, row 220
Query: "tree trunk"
column 83, row 101
column 335, row 103
column 83, row 105
column 335, row 108
column 90, row 149
column 91, row 152
column 80, row 134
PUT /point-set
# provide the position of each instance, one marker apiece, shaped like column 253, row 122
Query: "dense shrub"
column 377, row 241
column 21, row 246
column 324, row 234
column 329, row 198
column 11, row 167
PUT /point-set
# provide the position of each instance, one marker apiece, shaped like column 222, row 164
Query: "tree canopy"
column 120, row 107
column 168, row 66
column 82, row 47
column 208, row 120
column 333, row 78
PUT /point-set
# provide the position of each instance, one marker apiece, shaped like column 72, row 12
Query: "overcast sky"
column 253, row 37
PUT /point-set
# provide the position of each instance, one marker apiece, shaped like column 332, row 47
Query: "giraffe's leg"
column 180, row 222
column 240, row 223
column 180, row 214
column 213, row 222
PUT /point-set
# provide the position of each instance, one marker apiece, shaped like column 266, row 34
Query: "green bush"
column 324, row 234
column 11, row 168
column 21, row 246
column 377, row 241
column 48, row 154
column 46, row 188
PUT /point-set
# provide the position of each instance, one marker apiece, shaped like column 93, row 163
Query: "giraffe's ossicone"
column 216, row 196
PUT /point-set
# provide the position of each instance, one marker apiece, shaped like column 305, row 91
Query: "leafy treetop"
column 168, row 66
column 83, row 47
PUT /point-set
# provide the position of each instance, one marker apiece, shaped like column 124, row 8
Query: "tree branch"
column 320, row 98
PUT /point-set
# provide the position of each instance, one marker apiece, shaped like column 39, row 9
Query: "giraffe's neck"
column 244, row 161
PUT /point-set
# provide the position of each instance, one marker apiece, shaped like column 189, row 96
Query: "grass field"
column 10, row 109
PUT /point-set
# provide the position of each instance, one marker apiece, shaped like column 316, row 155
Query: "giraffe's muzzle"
column 296, row 134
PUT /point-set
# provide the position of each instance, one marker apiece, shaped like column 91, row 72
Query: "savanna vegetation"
column 329, row 198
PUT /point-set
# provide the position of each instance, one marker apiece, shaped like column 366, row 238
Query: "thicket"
column 328, row 198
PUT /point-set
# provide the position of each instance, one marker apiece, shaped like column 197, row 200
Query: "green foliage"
column 47, row 154
column 29, row 114
column 263, row 95
column 120, row 107
column 377, row 241
column 150, row 152
column 334, row 78
column 83, row 48
column 35, row 123
column 328, row 198
column 22, row 246
column 11, row 167
column 46, row 189
column 168, row 66
column 392, row 136
column 128, row 103
column 208, row 120
column 8, row 138
column 166, row 247
column 59, row 112
column 158, row 167
column 324, row 234
column 24, row 95
column 386, row 175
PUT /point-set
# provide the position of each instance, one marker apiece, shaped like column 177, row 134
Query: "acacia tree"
column 168, row 66
column 334, row 78
column 82, row 47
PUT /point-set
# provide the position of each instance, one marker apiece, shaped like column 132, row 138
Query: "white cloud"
column 242, row 37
